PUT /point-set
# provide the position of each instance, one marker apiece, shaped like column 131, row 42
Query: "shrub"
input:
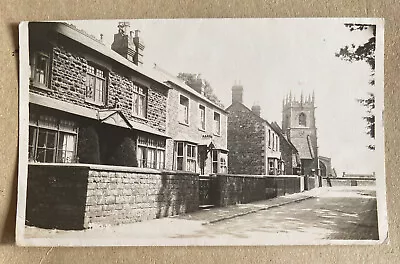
column 124, row 154
column 88, row 146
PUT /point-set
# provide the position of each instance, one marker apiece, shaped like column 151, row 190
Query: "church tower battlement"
column 298, row 123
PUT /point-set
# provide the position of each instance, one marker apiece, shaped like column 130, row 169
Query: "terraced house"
column 197, row 128
column 90, row 104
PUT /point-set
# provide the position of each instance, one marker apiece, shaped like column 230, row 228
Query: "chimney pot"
column 237, row 94
column 256, row 110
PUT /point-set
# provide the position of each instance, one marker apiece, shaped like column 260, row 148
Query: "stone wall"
column 229, row 189
column 79, row 196
column 283, row 184
column 349, row 182
column 246, row 141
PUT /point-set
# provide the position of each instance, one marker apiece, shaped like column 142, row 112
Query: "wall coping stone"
column 99, row 167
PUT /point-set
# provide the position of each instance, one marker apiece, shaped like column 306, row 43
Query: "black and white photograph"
column 201, row 132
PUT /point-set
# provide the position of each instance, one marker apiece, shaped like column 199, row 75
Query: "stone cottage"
column 254, row 145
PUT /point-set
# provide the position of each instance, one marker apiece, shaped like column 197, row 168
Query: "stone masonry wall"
column 122, row 197
column 68, row 83
column 79, row 196
column 246, row 141
column 229, row 189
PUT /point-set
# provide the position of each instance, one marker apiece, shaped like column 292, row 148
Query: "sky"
column 270, row 58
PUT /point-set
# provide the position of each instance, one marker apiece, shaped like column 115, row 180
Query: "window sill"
column 93, row 102
column 185, row 124
column 217, row 135
column 40, row 86
column 202, row 130
column 140, row 117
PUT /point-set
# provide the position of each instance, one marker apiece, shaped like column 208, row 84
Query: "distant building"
column 325, row 166
column 254, row 145
column 298, row 124
column 290, row 155
column 197, row 127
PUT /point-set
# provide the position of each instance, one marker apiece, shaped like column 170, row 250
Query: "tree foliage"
column 88, row 146
column 364, row 52
column 195, row 81
column 124, row 154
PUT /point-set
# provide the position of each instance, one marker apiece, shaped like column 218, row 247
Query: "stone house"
column 85, row 98
column 253, row 143
column 290, row 155
column 197, row 128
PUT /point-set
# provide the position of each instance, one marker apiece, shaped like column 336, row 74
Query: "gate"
column 204, row 191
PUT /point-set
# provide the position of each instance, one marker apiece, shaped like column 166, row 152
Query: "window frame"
column 33, row 67
column 96, row 78
column 36, row 126
column 185, row 115
column 141, row 93
column 302, row 119
column 148, row 143
column 218, row 132
column 202, row 122
column 185, row 158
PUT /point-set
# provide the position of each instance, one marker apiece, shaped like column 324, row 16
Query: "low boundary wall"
column 79, row 196
column 349, row 181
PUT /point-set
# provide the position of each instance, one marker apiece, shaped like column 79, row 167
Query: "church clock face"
column 301, row 133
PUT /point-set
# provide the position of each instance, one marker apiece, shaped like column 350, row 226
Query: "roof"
column 175, row 81
column 254, row 114
column 280, row 132
column 89, row 41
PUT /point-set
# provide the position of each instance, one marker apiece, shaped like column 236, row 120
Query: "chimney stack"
column 128, row 46
column 256, row 109
column 237, row 93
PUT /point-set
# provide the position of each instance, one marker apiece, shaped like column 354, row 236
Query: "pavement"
column 319, row 216
column 213, row 215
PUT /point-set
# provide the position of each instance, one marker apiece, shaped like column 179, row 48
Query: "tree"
column 364, row 52
column 88, row 146
column 124, row 154
column 197, row 83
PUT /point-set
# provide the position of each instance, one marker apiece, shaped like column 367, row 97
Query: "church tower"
column 298, row 123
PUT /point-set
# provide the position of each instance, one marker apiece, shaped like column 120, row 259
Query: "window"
column 273, row 142
column 215, row 161
column 184, row 109
column 52, row 140
column 277, row 143
column 151, row 152
column 217, row 123
column 202, row 112
column 271, row 166
column 186, row 156
column 95, row 85
column 302, row 119
column 269, row 138
column 219, row 162
column 40, row 69
column 139, row 102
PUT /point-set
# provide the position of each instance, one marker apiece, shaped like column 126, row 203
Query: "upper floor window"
column 40, row 68
column 302, row 119
column 139, row 101
column 52, row 140
column 202, row 112
column 184, row 109
column 95, row 85
column 217, row 123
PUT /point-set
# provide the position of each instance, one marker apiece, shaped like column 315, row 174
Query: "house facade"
column 254, row 145
column 197, row 128
column 89, row 104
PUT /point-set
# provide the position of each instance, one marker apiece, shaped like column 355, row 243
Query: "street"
column 339, row 213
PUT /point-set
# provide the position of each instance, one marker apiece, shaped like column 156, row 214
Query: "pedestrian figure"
column 328, row 180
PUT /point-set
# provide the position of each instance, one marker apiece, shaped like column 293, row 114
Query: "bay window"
column 52, row 140
column 186, row 156
column 150, row 152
